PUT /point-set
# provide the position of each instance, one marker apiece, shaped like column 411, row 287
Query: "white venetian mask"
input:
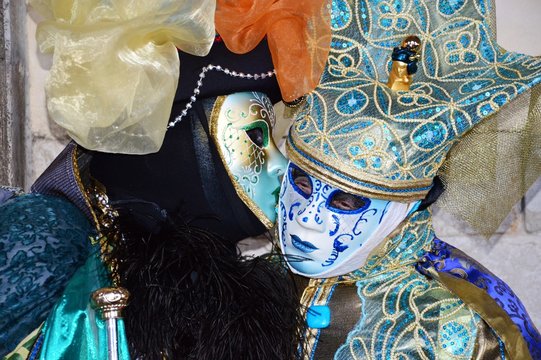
column 326, row 232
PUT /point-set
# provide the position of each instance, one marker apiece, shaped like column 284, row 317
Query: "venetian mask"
column 241, row 126
column 326, row 232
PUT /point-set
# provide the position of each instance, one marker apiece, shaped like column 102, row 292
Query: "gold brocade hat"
column 359, row 135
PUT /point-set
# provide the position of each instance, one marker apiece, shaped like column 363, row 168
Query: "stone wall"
column 44, row 138
column 513, row 254
column 12, row 92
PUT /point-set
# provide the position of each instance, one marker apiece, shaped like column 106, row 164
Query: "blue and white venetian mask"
column 326, row 232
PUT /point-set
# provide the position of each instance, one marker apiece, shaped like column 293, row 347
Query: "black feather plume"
column 194, row 297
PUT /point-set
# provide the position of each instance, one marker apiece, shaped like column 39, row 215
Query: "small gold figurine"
column 404, row 66
column 109, row 303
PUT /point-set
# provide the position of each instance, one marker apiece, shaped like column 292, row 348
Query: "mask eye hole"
column 258, row 132
column 347, row 203
column 300, row 181
column 256, row 135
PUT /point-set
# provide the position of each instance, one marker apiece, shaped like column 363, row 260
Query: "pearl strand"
column 226, row 71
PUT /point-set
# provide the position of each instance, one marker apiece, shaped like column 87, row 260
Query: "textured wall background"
column 12, row 92
column 513, row 254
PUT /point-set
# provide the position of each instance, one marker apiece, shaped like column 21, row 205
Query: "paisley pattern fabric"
column 405, row 313
column 446, row 258
column 357, row 134
column 43, row 240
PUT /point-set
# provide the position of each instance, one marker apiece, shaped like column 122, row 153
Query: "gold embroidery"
column 103, row 215
column 404, row 313
column 330, row 177
column 357, row 134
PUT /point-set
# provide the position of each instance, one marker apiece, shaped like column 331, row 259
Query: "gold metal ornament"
column 405, row 60
column 109, row 303
column 412, row 42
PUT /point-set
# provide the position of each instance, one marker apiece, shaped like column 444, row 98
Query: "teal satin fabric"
column 73, row 330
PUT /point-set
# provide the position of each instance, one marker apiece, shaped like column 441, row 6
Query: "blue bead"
column 318, row 317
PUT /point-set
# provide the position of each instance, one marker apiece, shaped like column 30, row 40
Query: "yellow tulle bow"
column 115, row 66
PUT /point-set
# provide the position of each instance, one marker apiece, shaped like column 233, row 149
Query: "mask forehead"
column 253, row 163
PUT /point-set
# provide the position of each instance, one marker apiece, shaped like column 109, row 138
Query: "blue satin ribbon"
column 74, row 330
column 448, row 259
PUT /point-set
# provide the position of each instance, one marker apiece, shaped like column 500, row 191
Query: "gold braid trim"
column 109, row 233
column 103, row 215
column 386, row 193
column 316, row 293
column 82, row 189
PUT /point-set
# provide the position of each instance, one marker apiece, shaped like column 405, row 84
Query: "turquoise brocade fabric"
column 73, row 330
column 405, row 314
column 358, row 133
column 43, row 241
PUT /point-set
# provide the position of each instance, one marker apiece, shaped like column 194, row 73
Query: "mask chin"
column 320, row 240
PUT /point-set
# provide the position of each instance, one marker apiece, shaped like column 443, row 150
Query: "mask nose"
column 310, row 218
column 276, row 161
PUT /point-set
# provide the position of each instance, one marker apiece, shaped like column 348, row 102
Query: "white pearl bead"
column 196, row 91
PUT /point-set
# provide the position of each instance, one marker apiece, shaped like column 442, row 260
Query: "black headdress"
column 192, row 295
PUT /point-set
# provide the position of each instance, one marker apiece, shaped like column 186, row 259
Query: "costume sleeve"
column 43, row 240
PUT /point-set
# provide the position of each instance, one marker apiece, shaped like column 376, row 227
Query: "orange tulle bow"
column 298, row 33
